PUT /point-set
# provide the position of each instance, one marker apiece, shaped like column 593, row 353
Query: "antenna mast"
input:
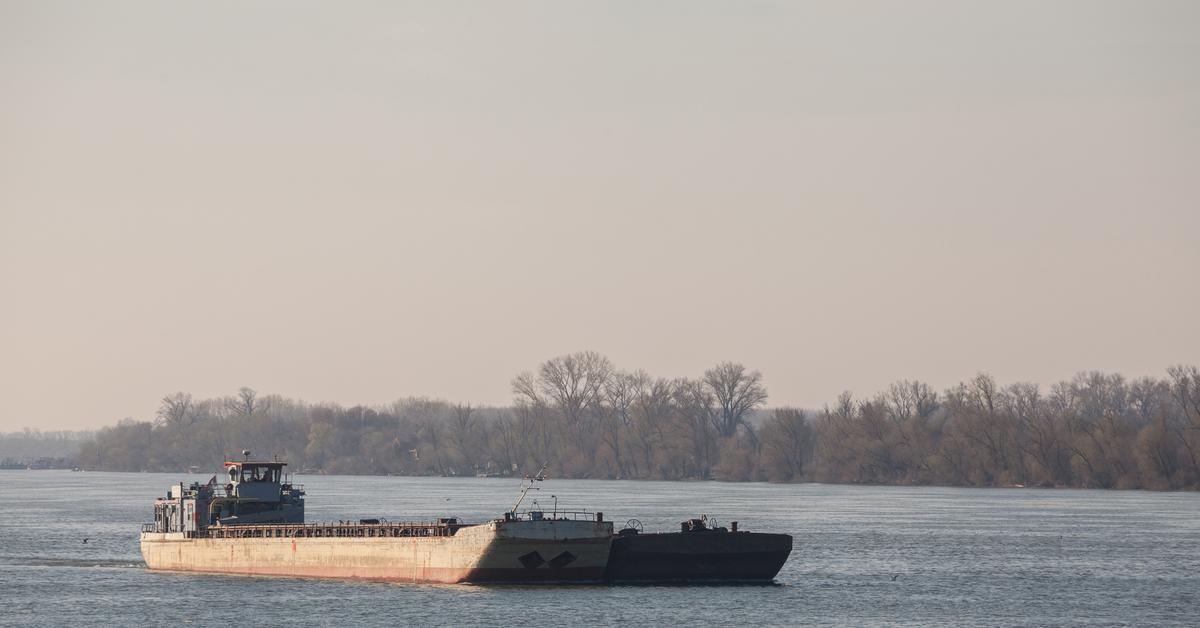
column 525, row 489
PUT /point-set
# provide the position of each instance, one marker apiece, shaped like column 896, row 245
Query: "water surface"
column 863, row 556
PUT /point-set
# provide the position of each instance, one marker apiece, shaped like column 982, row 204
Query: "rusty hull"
column 498, row 551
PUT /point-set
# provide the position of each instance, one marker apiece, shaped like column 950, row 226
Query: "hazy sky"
column 357, row 201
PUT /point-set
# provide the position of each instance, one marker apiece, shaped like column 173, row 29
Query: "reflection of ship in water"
column 254, row 524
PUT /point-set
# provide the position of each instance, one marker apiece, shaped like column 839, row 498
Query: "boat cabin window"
column 250, row 473
column 260, row 474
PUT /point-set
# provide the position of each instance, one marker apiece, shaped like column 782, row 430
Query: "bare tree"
column 907, row 399
column 789, row 441
column 621, row 392
column 574, row 383
column 509, row 447
column 981, row 394
column 1146, row 397
column 1185, row 387
column 696, row 415
column 737, row 391
column 464, row 424
column 525, row 387
column 176, row 409
column 245, row 403
column 651, row 413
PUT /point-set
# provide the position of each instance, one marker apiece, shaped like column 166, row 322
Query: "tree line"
column 37, row 449
column 589, row 419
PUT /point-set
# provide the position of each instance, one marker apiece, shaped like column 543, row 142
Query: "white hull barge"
column 516, row 551
column 254, row 525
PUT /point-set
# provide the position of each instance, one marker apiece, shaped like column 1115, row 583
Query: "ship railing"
column 189, row 534
column 218, row 490
column 332, row 530
column 558, row 515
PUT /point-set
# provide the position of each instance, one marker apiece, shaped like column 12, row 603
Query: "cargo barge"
column 698, row 553
column 254, row 524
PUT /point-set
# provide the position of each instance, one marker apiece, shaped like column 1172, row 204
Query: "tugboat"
column 256, row 492
column 699, row 553
column 254, row 524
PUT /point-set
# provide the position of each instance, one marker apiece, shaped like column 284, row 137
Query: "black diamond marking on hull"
column 562, row 560
column 532, row 560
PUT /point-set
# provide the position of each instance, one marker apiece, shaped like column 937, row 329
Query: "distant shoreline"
column 587, row 419
column 679, row 481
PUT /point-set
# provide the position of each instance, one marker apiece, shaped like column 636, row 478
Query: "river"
column 863, row 556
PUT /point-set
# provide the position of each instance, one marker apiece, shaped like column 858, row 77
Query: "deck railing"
column 558, row 515
column 331, row 530
column 384, row 529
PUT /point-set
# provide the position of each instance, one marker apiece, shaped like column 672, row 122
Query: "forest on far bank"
column 589, row 419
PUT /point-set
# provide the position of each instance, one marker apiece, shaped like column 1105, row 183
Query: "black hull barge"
column 696, row 554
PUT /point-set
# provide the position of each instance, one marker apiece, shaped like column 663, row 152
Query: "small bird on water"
column 85, row 540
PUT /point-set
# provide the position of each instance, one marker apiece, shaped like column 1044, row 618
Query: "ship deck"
column 323, row 530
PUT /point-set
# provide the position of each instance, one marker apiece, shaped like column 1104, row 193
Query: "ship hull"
column 511, row 552
column 701, row 557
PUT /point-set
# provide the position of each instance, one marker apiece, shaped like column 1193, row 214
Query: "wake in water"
column 42, row 561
